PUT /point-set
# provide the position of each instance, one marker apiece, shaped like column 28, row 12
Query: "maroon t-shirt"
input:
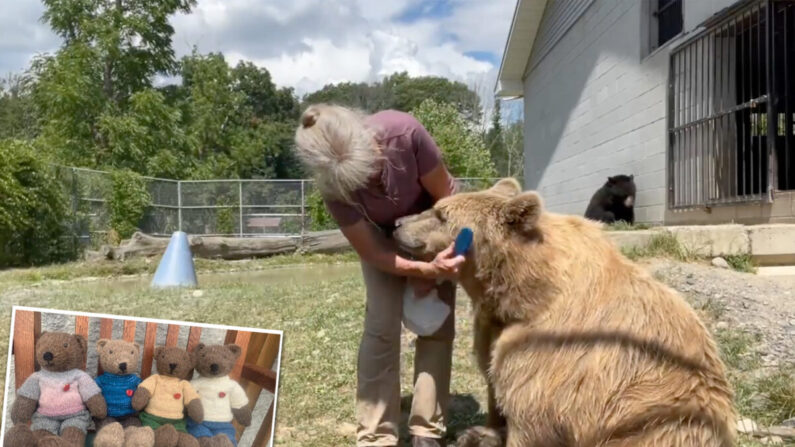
column 410, row 154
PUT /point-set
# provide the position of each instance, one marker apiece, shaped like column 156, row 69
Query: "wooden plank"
column 241, row 340
column 24, row 346
column 251, row 389
column 193, row 337
column 149, row 349
column 264, row 377
column 128, row 333
column 81, row 328
column 230, row 336
column 172, row 335
column 265, row 432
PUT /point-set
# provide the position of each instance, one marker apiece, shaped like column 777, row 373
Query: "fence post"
column 179, row 205
column 240, row 207
column 303, row 209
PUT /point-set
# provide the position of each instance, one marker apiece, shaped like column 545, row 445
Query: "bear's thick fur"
column 583, row 347
column 614, row 201
column 66, row 390
column 224, row 400
column 122, row 428
column 172, row 393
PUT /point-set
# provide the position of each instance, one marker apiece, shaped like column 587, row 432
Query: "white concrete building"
column 676, row 92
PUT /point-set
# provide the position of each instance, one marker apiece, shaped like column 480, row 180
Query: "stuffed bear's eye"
column 132, row 352
column 66, row 345
column 110, row 352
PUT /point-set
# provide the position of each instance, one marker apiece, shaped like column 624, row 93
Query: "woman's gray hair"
column 336, row 144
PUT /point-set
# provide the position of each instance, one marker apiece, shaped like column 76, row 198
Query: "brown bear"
column 223, row 399
column 582, row 346
column 59, row 400
column 163, row 398
column 119, row 360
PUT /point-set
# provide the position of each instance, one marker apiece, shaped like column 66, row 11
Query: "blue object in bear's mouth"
column 463, row 241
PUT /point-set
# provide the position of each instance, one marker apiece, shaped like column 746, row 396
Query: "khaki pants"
column 378, row 393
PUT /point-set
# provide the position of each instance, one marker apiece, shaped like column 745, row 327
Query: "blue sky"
column 306, row 44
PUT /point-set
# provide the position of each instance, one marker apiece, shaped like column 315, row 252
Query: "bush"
column 319, row 217
column 35, row 213
column 128, row 201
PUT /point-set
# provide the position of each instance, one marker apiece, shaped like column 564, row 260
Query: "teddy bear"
column 222, row 398
column 58, row 400
column 122, row 427
column 162, row 398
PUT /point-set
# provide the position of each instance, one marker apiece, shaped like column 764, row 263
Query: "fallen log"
column 231, row 248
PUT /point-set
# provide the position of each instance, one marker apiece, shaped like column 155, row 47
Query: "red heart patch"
column 221, row 394
column 177, row 396
column 66, row 387
column 129, row 393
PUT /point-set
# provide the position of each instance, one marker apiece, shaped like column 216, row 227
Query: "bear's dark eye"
column 132, row 352
column 66, row 345
column 110, row 352
column 440, row 216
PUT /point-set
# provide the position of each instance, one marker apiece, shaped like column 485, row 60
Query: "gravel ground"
column 65, row 323
column 764, row 305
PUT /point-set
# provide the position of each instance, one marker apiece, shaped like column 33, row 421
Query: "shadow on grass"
column 464, row 412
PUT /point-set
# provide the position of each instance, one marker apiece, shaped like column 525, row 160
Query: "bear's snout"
column 214, row 368
column 123, row 366
column 48, row 356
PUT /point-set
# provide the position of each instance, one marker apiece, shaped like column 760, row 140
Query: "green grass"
column 141, row 266
column 741, row 263
column 623, row 226
column 661, row 245
column 322, row 321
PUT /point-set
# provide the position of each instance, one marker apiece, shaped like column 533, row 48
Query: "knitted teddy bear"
column 122, row 428
column 162, row 399
column 223, row 399
column 59, row 400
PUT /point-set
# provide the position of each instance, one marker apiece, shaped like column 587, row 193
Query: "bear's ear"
column 199, row 347
column 507, row 187
column 235, row 350
column 101, row 344
column 80, row 342
column 522, row 212
column 137, row 348
column 632, row 176
column 611, row 180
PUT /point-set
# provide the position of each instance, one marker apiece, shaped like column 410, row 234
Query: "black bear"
column 614, row 201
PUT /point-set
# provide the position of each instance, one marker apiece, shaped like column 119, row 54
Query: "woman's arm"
column 438, row 182
column 376, row 249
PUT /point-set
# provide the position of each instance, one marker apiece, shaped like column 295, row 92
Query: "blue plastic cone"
column 176, row 268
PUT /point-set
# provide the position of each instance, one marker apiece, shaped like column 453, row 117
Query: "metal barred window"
column 731, row 108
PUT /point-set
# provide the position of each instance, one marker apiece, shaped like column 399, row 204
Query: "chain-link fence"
column 241, row 208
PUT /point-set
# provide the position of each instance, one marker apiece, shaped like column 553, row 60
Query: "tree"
column 401, row 92
column 18, row 118
column 464, row 150
column 35, row 216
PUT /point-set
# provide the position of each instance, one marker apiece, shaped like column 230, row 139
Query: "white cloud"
column 309, row 43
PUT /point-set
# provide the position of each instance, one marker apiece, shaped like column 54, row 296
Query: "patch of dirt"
column 762, row 305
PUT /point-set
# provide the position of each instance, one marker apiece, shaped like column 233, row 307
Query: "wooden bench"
column 252, row 370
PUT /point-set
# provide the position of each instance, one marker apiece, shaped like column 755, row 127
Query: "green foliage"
column 464, row 150
column 400, row 92
column 127, row 202
column 225, row 217
column 741, row 263
column 18, row 117
column 35, row 216
column 319, row 217
column 661, row 245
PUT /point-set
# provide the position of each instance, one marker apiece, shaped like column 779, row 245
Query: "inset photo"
column 118, row 381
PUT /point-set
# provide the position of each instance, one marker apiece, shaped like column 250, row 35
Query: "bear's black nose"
column 172, row 366
column 214, row 368
column 48, row 356
column 123, row 367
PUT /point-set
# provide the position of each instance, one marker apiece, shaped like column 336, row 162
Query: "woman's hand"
column 447, row 265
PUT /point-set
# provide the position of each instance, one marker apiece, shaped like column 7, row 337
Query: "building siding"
column 595, row 107
column 559, row 16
